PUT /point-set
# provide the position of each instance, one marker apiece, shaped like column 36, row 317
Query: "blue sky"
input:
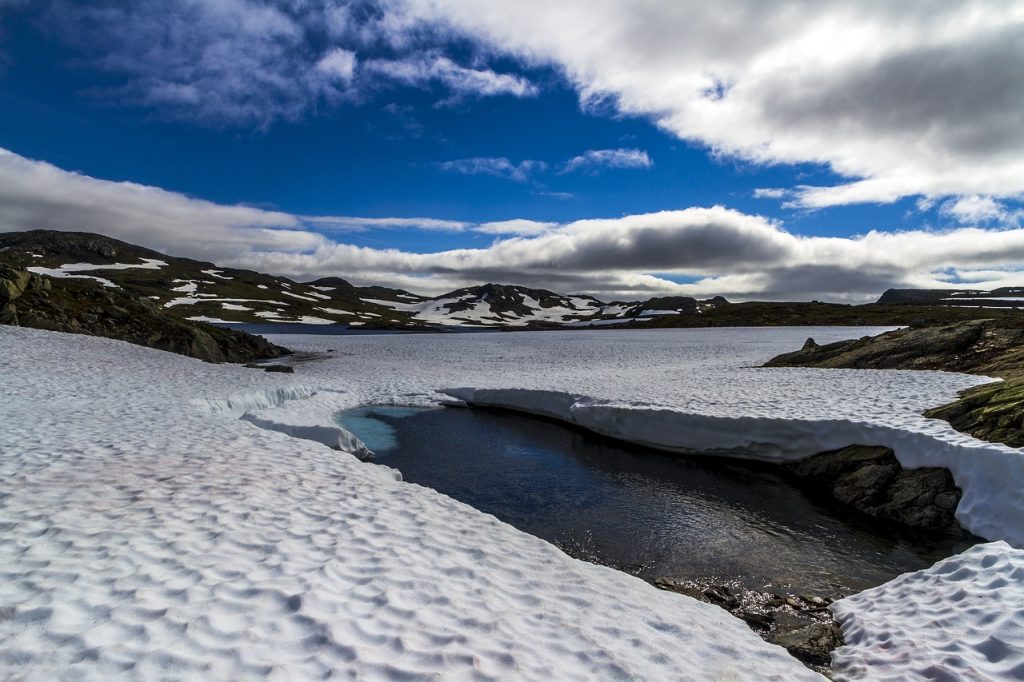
column 463, row 114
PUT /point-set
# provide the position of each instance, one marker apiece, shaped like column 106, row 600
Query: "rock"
column 116, row 311
column 721, row 595
column 787, row 621
column 285, row 369
column 13, row 283
column 812, row 643
column 871, row 480
column 81, row 306
column 8, row 314
column 809, row 344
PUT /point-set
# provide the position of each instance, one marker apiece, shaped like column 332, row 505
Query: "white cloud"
column 980, row 210
column 338, row 63
column 357, row 224
column 254, row 62
column 900, row 99
column 595, row 159
column 499, row 167
column 417, row 70
column 517, row 226
column 770, row 193
column 727, row 252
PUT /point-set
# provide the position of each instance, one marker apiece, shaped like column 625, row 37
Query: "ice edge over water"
column 246, row 405
column 992, row 505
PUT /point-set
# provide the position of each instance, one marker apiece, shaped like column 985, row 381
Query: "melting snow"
column 152, row 529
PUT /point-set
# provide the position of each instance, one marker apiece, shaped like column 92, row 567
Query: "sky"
column 791, row 150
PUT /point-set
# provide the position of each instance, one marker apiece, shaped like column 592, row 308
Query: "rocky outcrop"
column 976, row 346
column 872, row 481
column 85, row 307
column 994, row 412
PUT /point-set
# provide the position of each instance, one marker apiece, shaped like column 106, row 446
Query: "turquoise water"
column 634, row 509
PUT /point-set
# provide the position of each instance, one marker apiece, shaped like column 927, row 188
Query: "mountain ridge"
column 203, row 291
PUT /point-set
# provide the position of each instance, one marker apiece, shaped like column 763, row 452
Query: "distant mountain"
column 1005, row 297
column 201, row 291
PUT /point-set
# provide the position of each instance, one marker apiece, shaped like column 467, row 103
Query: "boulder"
column 812, row 643
column 13, row 283
column 871, row 480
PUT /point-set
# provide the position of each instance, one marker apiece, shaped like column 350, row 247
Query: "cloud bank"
column 900, row 99
column 897, row 99
column 724, row 251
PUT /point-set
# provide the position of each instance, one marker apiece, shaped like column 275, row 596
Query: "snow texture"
column 168, row 518
column 961, row 619
column 151, row 533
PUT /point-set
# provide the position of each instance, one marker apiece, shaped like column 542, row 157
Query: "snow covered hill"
column 201, row 291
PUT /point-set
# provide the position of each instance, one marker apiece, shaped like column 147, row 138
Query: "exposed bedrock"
column 84, row 307
column 871, row 480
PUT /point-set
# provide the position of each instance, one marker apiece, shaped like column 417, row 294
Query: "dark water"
column 635, row 509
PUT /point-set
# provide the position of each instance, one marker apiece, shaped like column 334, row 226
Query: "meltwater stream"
column 634, row 509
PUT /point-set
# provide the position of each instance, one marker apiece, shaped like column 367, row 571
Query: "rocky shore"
column 802, row 624
column 82, row 306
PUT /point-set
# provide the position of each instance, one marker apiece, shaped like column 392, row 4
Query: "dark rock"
column 803, row 625
column 812, row 643
column 721, row 595
column 13, row 283
column 8, row 314
column 871, row 480
column 285, row 369
column 82, row 306
column 809, row 344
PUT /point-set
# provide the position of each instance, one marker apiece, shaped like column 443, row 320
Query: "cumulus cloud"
column 595, row 159
column 980, row 210
column 499, row 167
column 725, row 251
column 900, row 99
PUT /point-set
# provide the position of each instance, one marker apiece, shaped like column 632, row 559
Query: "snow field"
column 150, row 532
column 961, row 619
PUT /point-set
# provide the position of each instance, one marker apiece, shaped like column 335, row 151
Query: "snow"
column 189, row 287
column 990, row 299
column 963, row 618
column 335, row 311
column 232, row 306
column 435, row 311
column 318, row 288
column 211, row 320
column 261, row 286
column 209, row 298
column 60, row 273
column 304, row 298
column 152, row 530
column 68, row 270
column 215, row 273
